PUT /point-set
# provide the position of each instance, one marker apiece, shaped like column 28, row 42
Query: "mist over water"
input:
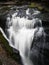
column 22, row 27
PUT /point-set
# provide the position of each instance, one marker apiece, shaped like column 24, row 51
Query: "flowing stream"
column 22, row 27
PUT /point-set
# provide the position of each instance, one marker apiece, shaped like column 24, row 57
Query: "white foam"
column 22, row 31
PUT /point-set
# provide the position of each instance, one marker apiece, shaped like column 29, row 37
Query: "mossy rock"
column 9, row 49
column 0, row 62
column 35, row 5
column 39, row 6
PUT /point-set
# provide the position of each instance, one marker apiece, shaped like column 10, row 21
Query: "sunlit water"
column 22, row 27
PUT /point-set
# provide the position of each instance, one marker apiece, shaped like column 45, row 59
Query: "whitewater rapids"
column 22, row 27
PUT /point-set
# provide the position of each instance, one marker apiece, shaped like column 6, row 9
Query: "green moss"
column 6, row 44
column 36, row 5
column 39, row 6
column 0, row 62
column 32, row 5
column 8, row 48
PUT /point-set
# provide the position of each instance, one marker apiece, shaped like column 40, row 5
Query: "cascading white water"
column 22, row 27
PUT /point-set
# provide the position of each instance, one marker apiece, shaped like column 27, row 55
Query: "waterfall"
column 22, row 27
